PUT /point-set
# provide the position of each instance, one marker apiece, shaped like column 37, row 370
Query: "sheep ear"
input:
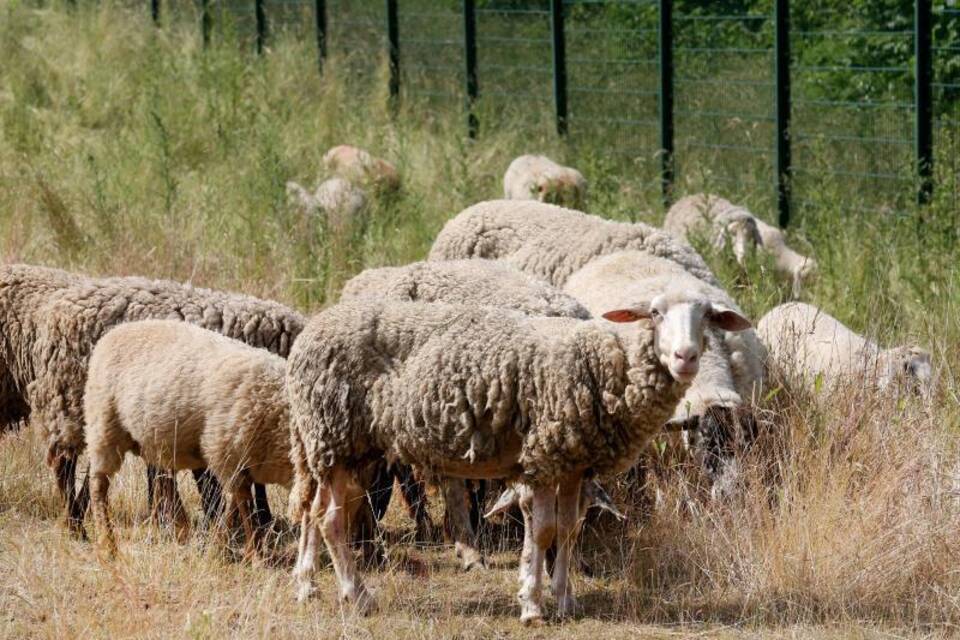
column 639, row 312
column 728, row 319
column 506, row 500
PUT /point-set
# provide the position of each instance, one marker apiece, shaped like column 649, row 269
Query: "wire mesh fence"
column 768, row 100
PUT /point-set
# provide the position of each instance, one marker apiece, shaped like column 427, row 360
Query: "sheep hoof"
column 363, row 602
column 531, row 616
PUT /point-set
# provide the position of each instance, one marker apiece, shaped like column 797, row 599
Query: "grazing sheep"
column 478, row 282
column 52, row 319
column 723, row 218
column 338, row 201
column 182, row 397
column 808, row 344
column 550, row 242
column 715, row 411
column 540, row 178
column 482, row 392
column 360, row 167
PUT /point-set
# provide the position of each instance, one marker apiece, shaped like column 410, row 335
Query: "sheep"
column 808, row 344
column 482, row 392
column 183, row 397
column 532, row 177
column 550, row 242
column 336, row 199
column 723, row 218
column 51, row 320
column 360, row 167
column 481, row 282
column 731, row 372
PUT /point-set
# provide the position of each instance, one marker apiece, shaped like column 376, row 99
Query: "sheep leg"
column 458, row 523
column 99, row 490
column 415, row 497
column 211, row 494
column 170, row 509
column 65, row 469
column 540, row 527
column 241, row 500
column 309, row 545
column 568, row 528
column 344, row 495
column 263, row 518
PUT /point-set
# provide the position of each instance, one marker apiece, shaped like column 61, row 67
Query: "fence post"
column 320, row 15
column 470, row 59
column 155, row 11
column 559, row 65
column 393, row 45
column 206, row 22
column 665, row 54
column 923, row 95
column 261, row 16
column 781, row 16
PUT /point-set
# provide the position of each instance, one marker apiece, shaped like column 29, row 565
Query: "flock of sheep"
column 537, row 345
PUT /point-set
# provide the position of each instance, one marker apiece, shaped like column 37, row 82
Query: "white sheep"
column 550, row 242
column 51, row 320
column 483, row 392
column 182, row 397
column 335, row 199
column 532, row 177
column 721, row 218
column 358, row 166
column 815, row 349
column 718, row 401
column 478, row 282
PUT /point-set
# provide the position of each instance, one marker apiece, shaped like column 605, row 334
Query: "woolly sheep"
column 731, row 368
column 360, row 167
column 478, row 282
column 338, row 201
column 550, row 242
column 182, row 397
column 700, row 211
column 807, row 343
column 479, row 392
column 51, row 320
column 540, row 178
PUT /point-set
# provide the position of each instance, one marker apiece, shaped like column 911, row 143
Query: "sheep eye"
column 654, row 314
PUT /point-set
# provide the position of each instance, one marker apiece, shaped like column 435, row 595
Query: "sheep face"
column 679, row 321
column 559, row 190
column 744, row 235
column 804, row 274
column 14, row 410
column 909, row 367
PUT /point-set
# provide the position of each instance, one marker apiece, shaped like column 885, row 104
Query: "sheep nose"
column 686, row 355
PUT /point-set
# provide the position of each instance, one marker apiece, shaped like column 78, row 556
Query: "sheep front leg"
column 241, row 500
column 540, row 527
column 568, row 527
column 458, row 521
column 343, row 498
column 65, row 469
column 309, row 544
column 99, row 494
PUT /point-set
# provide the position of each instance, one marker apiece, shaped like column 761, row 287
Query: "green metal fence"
column 774, row 97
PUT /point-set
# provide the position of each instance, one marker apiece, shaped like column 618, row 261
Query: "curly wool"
column 551, row 242
column 437, row 385
column 183, row 397
column 484, row 282
column 52, row 319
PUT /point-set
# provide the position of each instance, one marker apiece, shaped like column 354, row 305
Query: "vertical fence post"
column 155, row 11
column 320, row 16
column 781, row 16
column 665, row 97
column 206, row 22
column 470, row 60
column 261, row 16
column 559, row 65
column 923, row 95
column 393, row 48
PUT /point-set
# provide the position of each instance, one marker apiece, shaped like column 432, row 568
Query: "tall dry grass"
column 125, row 149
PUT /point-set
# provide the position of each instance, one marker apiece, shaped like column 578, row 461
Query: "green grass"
column 126, row 149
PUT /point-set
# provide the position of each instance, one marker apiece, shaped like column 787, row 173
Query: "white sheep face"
column 679, row 322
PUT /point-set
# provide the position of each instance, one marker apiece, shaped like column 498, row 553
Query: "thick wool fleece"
column 485, row 282
column 447, row 386
column 551, row 242
column 52, row 319
column 183, row 397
